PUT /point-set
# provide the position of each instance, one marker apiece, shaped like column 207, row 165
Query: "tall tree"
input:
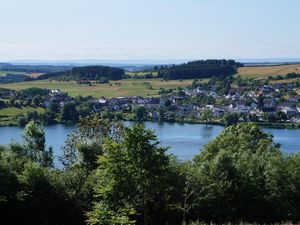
column 206, row 115
column 84, row 144
column 140, row 113
column 35, row 144
column 230, row 119
column 130, row 178
column 69, row 112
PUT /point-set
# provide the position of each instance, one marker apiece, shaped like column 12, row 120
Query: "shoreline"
column 289, row 126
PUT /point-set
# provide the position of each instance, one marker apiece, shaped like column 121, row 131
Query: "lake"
column 184, row 140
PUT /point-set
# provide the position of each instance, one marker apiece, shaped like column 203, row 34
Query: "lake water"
column 184, row 140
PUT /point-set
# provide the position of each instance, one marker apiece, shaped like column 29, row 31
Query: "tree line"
column 200, row 69
column 99, row 73
column 112, row 174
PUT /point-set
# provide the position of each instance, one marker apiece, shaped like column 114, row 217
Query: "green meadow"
column 7, row 114
column 122, row 88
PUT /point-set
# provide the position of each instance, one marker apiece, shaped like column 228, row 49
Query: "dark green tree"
column 37, row 100
column 35, row 145
column 130, row 177
column 69, row 112
column 140, row 113
column 232, row 176
column 206, row 115
column 54, row 108
column 230, row 118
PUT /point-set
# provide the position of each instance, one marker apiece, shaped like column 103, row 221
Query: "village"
column 267, row 99
column 269, row 103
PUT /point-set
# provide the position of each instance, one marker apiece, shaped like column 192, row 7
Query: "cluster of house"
column 58, row 97
column 54, row 96
column 273, row 99
column 237, row 99
column 128, row 103
column 257, row 101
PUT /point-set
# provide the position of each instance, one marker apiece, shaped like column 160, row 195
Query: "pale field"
column 266, row 71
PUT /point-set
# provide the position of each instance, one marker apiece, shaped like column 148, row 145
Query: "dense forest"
column 200, row 69
column 97, row 73
column 111, row 174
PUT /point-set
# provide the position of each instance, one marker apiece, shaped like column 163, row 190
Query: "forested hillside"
column 100, row 73
column 200, row 69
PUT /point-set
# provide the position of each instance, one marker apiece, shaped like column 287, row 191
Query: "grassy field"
column 12, row 111
column 122, row 88
column 7, row 114
column 265, row 71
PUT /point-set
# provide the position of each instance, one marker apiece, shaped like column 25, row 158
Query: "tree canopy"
column 200, row 69
column 122, row 175
column 87, row 73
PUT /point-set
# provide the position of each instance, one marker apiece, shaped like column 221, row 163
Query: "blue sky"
column 149, row 29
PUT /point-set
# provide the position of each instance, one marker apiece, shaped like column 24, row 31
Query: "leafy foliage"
column 84, row 145
column 233, row 171
column 118, row 175
column 130, row 178
column 35, row 146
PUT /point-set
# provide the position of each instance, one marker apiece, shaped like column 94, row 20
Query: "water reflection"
column 207, row 132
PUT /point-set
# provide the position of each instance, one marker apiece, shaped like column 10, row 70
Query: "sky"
column 148, row 29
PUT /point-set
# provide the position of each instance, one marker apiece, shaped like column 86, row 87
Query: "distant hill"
column 99, row 73
column 4, row 64
column 200, row 69
column 33, row 68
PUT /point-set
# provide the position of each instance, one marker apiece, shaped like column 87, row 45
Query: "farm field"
column 266, row 71
column 122, row 88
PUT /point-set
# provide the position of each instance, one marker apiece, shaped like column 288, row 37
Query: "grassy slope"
column 265, row 71
column 126, row 89
column 7, row 114
column 12, row 111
